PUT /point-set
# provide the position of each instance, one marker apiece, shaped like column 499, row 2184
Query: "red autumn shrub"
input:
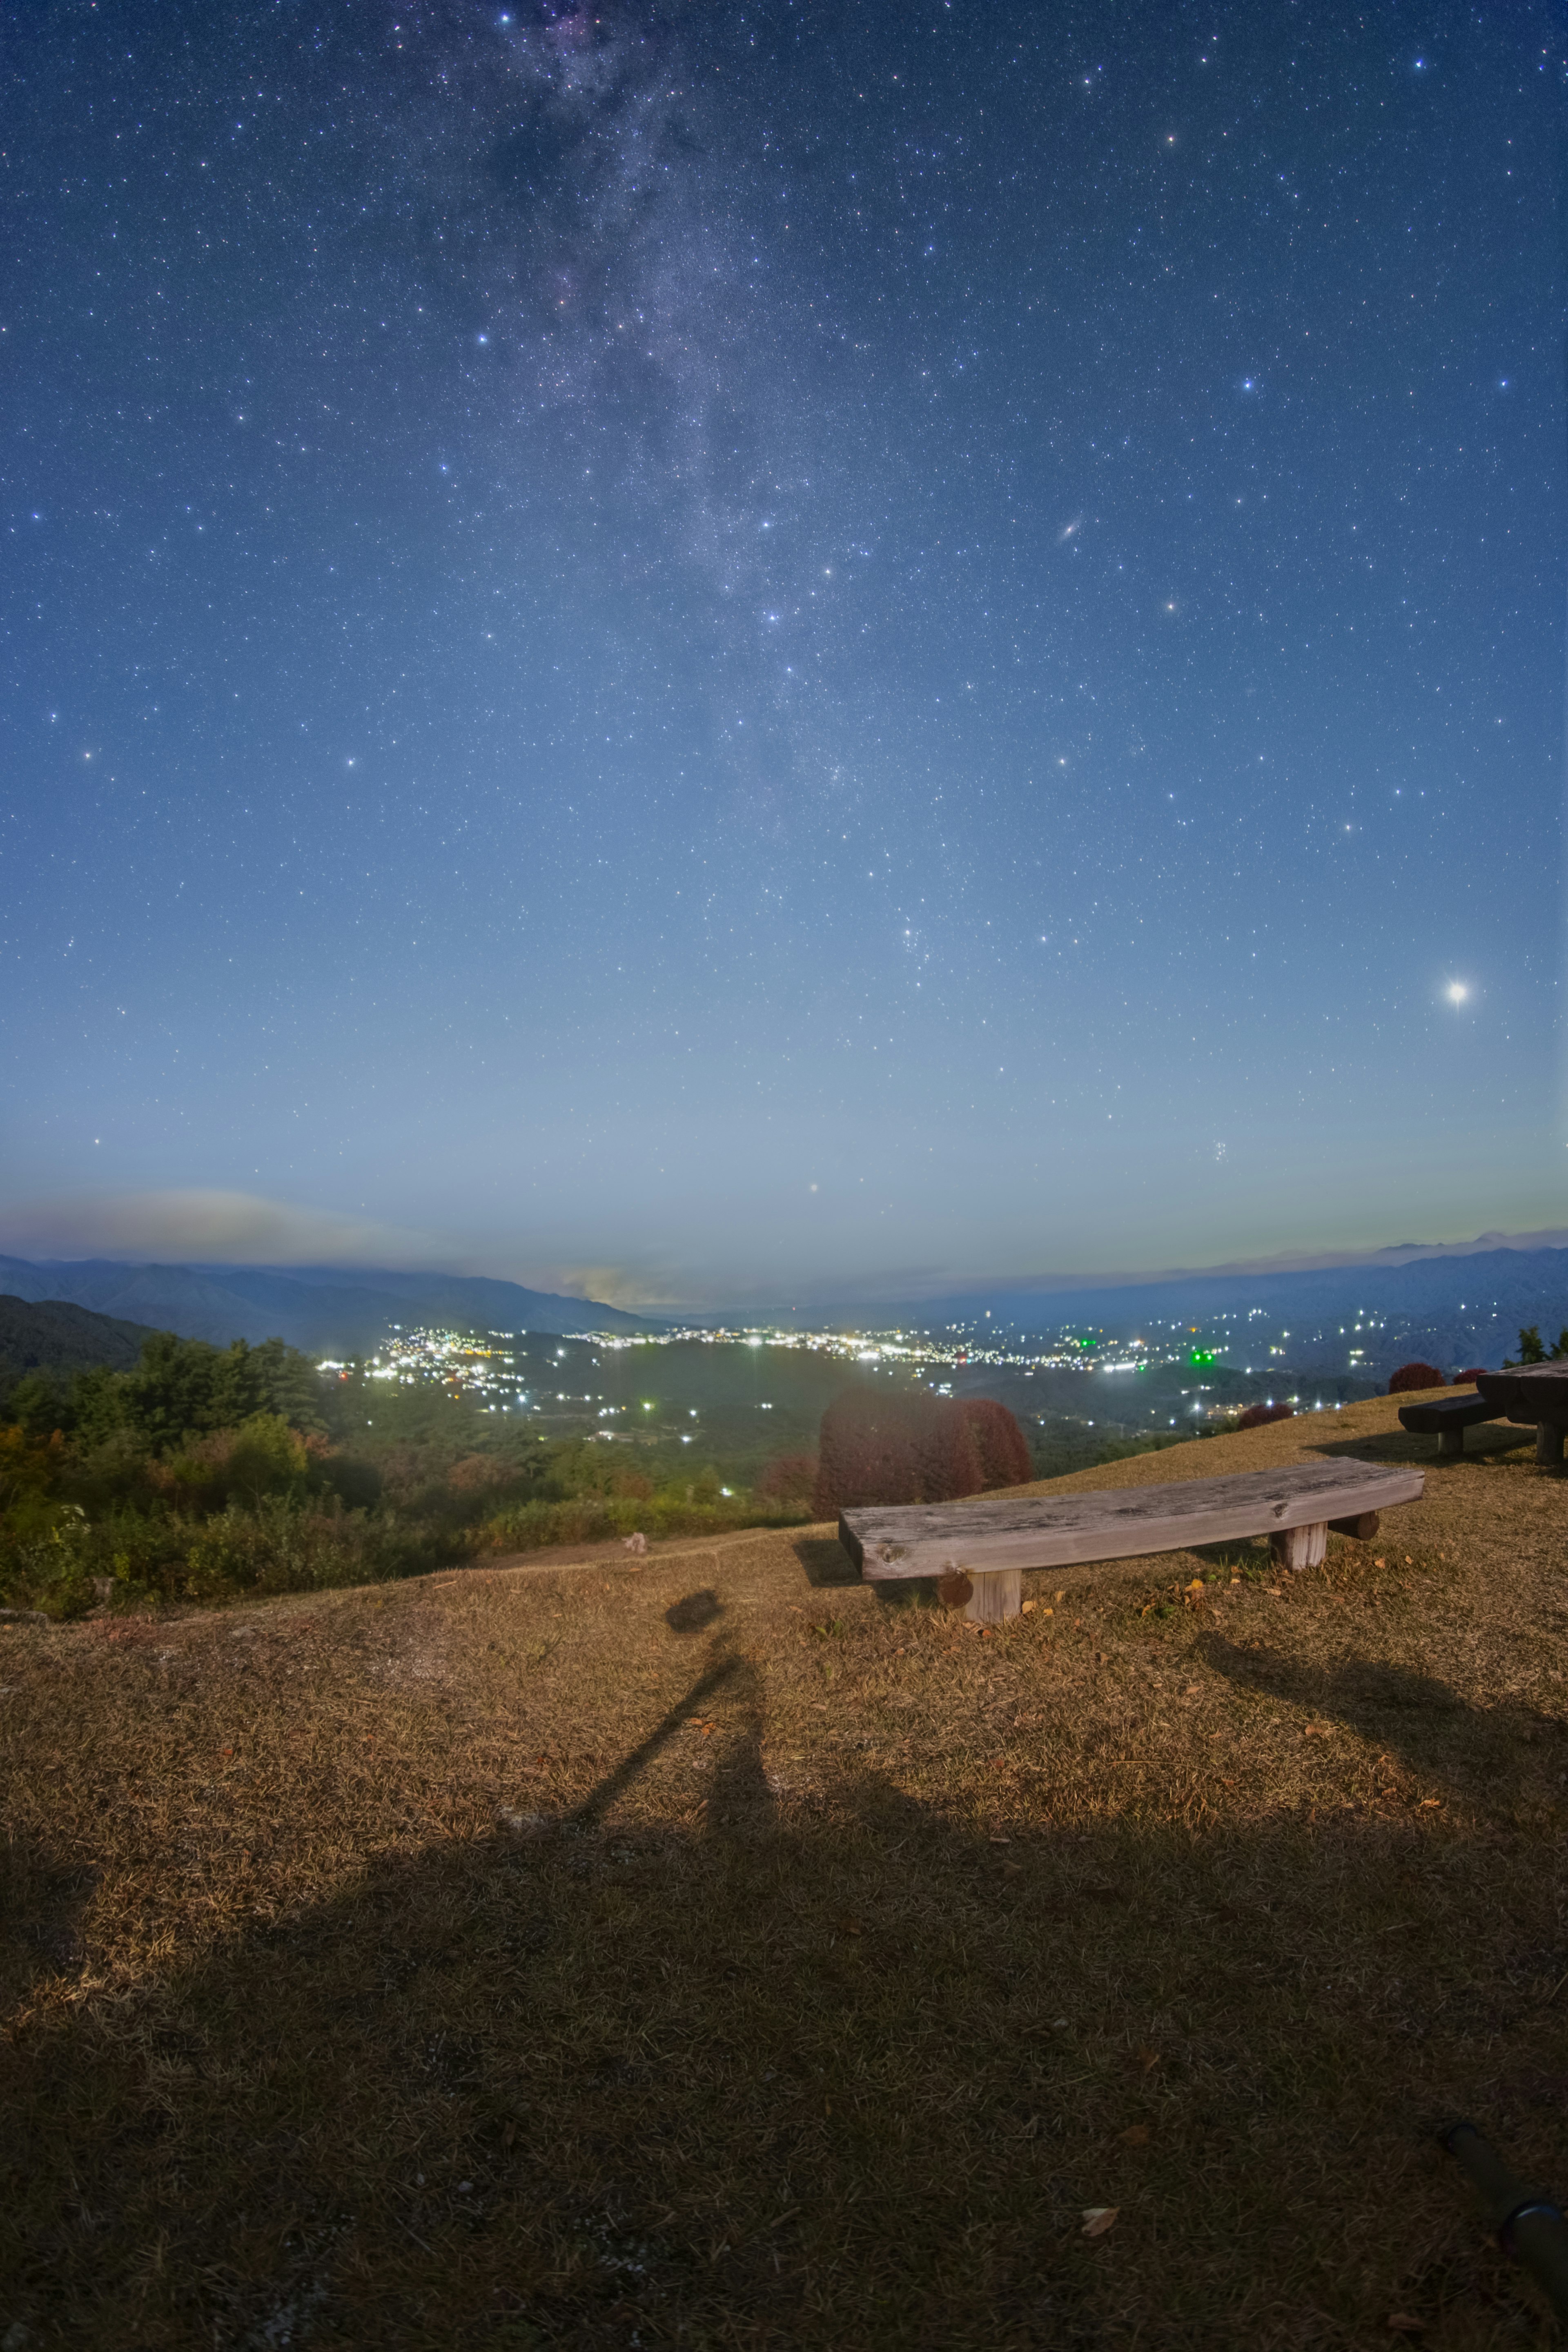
column 1001, row 1445
column 788, row 1478
column 1256, row 1414
column 880, row 1446
column 1416, row 1376
column 1467, row 1380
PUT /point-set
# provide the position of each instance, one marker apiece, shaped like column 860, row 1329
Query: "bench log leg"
column 1299, row 1547
column 1362, row 1525
column 996, row 1597
column 1548, row 1442
column 1449, row 1442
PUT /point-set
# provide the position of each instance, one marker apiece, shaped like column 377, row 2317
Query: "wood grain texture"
column 1300, row 1547
column 996, row 1597
column 1121, row 1523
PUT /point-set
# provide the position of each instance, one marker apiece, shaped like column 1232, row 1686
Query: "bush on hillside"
column 1256, row 1415
column 1467, row 1380
column 881, row 1447
column 789, row 1479
column 281, row 1545
column 1416, row 1376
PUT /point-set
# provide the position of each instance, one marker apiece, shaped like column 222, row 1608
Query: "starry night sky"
column 718, row 652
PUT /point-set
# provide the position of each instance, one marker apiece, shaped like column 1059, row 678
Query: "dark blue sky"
column 718, row 651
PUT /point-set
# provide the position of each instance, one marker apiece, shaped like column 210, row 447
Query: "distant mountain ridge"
column 1461, row 1310
column 56, row 1337
column 324, row 1310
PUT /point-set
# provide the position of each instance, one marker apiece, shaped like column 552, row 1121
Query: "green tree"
column 184, row 1388
column 40, row 1403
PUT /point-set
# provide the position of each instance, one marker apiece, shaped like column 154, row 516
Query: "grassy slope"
column 316, row 2036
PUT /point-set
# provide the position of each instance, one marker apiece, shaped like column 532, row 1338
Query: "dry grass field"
column 718, row 1952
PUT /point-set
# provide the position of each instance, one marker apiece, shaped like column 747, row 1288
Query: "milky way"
column 753, row 648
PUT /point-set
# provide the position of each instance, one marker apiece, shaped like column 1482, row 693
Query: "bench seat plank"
column 1121, row 1523
column 1450, row 1413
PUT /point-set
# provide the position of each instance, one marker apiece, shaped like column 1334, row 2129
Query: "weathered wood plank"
column 996, row 1597
column 1123, row 1523
column 1300, row 1547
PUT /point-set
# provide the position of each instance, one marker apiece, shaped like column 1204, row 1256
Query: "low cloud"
column 227, row 1228
column 611, row 1286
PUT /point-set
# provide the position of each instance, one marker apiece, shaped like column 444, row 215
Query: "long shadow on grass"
column 1420, row 1453
column 830, row 2067
column 1414, row 1716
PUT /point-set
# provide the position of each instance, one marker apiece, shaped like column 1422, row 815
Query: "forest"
column 201, row 1473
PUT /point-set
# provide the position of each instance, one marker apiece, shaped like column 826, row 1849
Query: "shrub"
column 1256, row 1415
column 911, row 1447
column 1467, row 1380
column 1416, row 1376
column 788, row 1479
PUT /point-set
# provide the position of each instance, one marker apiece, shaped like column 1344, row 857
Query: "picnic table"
column 1533, row 1392
column 979, row 1549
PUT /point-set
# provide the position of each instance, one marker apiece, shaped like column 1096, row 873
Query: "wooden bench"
column 1533, row 1392
column 986, row 1546
column 1449, row 1419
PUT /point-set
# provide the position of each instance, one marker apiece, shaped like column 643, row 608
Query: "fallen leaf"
column 1196, row 1585
column 1058, row 1596
column 226, row 1751
column 1026, row 1607
column 1147, row 2058
column 1426, row 1801
column 997, row 1838
column 1046, row 1613
column 1135, row 2135
column 849, row 1927
column 1380, row 1563
column 1405, row 2322
column 1098, row 2219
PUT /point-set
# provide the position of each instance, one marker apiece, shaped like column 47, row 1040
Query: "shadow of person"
column 1406, row 1712
column 852, row 2079
column 695, row 1612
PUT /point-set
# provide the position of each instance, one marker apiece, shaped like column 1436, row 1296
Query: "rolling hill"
column 325, row 1310
column 52, row 1336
